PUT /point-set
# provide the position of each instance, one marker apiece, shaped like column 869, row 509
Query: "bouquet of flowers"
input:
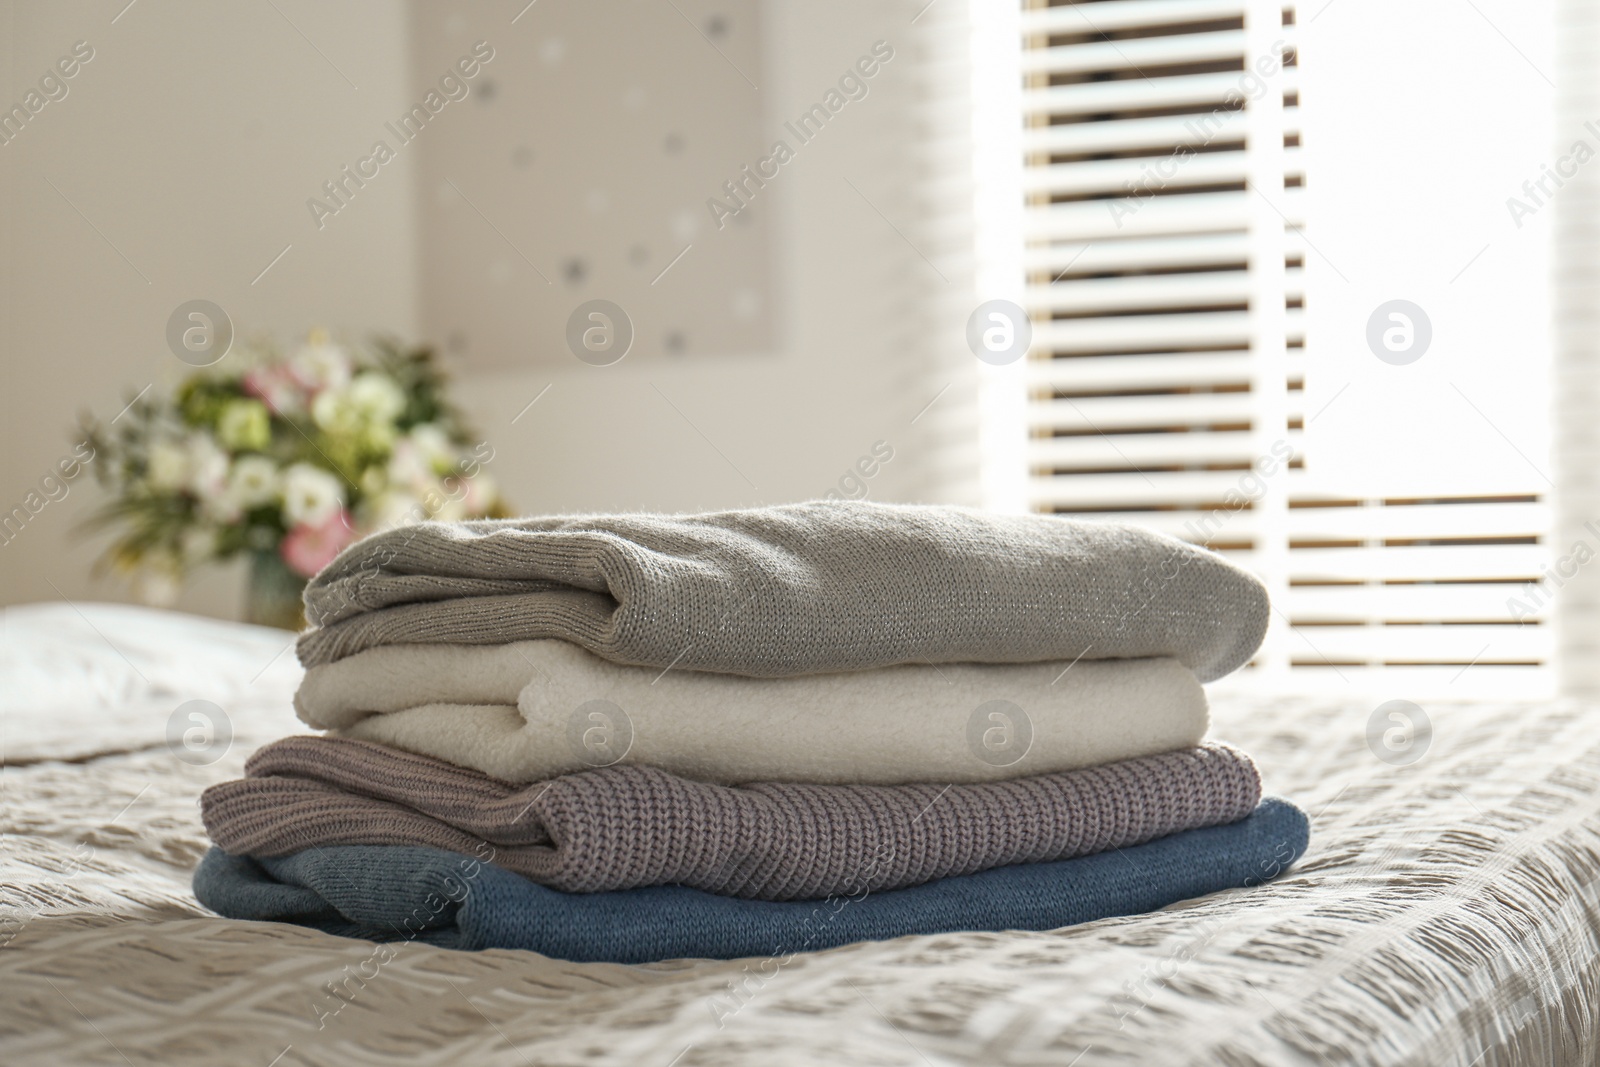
column 287, row 458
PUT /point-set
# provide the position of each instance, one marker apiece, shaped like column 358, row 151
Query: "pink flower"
column 275, row 386
column 307, row 549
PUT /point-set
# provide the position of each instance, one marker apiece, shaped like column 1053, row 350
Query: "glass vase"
column 273, row 596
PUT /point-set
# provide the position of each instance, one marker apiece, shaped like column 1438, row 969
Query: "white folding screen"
column 1166, row 240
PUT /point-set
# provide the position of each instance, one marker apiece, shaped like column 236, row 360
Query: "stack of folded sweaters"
column 638, row 737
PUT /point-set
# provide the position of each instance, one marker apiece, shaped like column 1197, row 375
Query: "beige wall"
column 190, row 142
column 195, row 135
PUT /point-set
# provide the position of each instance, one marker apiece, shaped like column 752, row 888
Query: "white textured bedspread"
column 1447, row 913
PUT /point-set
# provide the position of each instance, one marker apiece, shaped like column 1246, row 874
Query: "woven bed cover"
column 1447, row 913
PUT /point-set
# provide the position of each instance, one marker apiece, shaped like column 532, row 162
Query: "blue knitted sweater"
column 387, row 893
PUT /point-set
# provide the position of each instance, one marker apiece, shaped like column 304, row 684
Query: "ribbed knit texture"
column 624, row 827
column 390, row 893
column 794, row 589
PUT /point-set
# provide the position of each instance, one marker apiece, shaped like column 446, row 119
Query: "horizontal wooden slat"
column 1147, row 291
column 1181, row 213
column 1125, row 412
column 1105, row 97
column 1184, row 522
column 1419, row 521
column 1155, row 331
column 1151, row 371
column 1137, row 53
column 1139, row 176
column 1433, row 688
column 1143, row 450
column 1202, row 249
column 1429, row 643
column 1431, row 562
column 1379, row 523
column 1402, row 602
column 1402, row 522
column 1126, row 134
column 1112, row 490
column 1136, row 176
column 1124, row 15
column 1505, row 566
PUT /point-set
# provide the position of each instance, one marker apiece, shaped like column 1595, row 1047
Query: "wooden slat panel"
column 1139, row 175
column 1144, row 291
column 1153, row 331
column 1145, row 252
column 1407, row 602
column 1507, row 566
column 1428, row 643
column 1135, row 466
column 1434, row 688
column 1182, row 522
column 1125, row 14
column 1419, row 521
column 1110, row 490
column 1162, row 216
column 1142, row 450
column 1155, row 132
column 1136, row 412
column 1434, row 562
column 1134, row 372
column 1138, row 53
column 1319, row 563
column 1474, row 520
column 1194, row 90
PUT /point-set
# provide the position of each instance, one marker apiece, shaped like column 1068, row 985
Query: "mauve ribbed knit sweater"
column 624, row 827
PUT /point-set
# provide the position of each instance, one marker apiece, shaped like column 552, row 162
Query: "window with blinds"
column 1165, row 264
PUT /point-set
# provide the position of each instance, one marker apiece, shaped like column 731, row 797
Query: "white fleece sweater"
column 533, row 710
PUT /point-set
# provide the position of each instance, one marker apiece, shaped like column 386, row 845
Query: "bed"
column 1447, row 913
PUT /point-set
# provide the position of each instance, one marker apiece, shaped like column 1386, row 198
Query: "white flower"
column 377, row 396
column 450, row 507
column 367, row 406
column 408, row 467
column 220, row 509
column 378, row 436
column 320, row 364
column 333, row 411
column 434, row 446
column 374, row 480
column 277, row 386
column 168, row 466
column 310, row 495
column 245, row 425
column 207, row 467
column 252, row 482
column 394, row 508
